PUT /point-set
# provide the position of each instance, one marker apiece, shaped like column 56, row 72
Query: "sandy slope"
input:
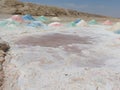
column 79, row 58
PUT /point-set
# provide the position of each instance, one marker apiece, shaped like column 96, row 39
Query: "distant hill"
column 17, row 7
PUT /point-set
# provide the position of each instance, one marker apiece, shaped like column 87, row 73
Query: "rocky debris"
column 3, row 48
column 17, row 7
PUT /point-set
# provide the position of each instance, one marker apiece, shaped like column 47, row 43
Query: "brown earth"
column 17, row 7
column 3, row 48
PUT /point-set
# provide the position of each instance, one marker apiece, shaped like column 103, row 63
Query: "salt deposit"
column 107, row 22
column 115, row 27
column 55, row 19
column 82, row 23
column 64, row 58
column 55, row 24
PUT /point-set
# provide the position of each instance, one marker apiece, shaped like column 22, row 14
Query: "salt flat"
column 65, row 58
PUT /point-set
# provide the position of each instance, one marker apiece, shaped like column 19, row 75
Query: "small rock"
column 4, row 46
column 66, row 74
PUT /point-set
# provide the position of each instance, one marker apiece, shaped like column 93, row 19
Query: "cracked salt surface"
column 63, row 59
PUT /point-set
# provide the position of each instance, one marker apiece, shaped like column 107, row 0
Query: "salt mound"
column 92, row 22
column 36, row 24
column 9, row 23
column 115, row 27
column 42, row 18
column 3, row 23
column 28, row 17
column 82, row 23
column 17, row 18
column 107, row 22
column 55, row 19
column 55, row 24
column 77, row 21
column 71, row 24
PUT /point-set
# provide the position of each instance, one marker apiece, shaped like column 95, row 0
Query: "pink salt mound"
column 17, row 18
column 107, row 22
column 55, row 24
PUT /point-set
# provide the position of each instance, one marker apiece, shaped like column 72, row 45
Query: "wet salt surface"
column 53, row 40
column 74, row 59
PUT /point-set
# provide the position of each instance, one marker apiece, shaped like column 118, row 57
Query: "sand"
column 65, row 58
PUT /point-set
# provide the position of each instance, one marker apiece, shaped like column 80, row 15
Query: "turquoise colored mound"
column 117, row 32
column 3, row 23
column 14, row 23
column 8, row 23
column 72, row 24
column 92, row 22
column 42, row 18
